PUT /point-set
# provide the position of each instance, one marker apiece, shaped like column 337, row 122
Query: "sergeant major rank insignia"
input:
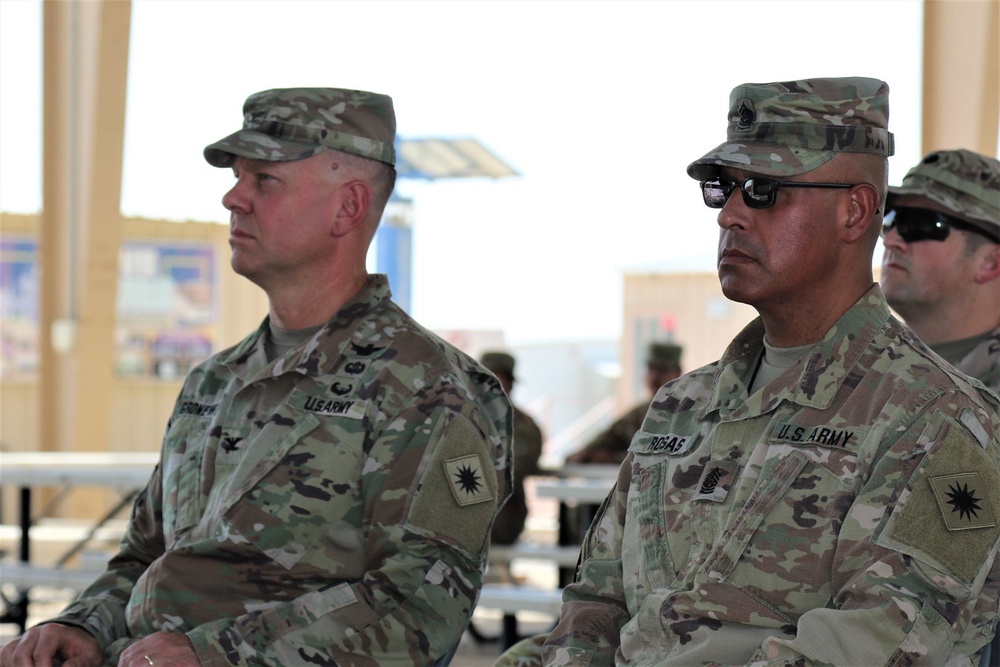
column 467, row 480
column 716, row 481
column 962, row 501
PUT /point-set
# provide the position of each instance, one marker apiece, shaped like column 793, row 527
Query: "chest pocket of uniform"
column 294, row 487
column 764, row 499
column 647, row 534
column 182, row 499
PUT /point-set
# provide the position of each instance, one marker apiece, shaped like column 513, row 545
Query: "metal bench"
column 511, row 599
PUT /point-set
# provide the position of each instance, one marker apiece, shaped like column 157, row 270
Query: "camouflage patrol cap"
column 498, row 362
column 664, row 356
column 287, row 124
column 789, row 128
column 966, row 184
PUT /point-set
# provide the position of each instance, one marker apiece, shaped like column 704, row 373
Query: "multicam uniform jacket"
column 330, row 508
column 845, row 514
column 983, row 362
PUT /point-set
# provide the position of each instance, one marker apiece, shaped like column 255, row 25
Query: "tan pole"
column 85, row 63
column 961, row 96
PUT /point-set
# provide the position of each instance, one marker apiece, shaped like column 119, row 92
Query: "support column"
column 85, row 63
column 961, row 96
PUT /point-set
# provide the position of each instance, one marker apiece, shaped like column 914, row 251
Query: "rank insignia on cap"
column 962, row 501
column 747, row 114
column 467, row 481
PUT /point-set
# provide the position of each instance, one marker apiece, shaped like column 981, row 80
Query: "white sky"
column 599, row 104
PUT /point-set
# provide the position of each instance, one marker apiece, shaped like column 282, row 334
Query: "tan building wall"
column 688, row 308
column 140, row 405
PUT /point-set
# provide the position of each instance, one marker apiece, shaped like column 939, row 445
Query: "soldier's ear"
column 988, row 268
column 355, row 204
column 861, row 211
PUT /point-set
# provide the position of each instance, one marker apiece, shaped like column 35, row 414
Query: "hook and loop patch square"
column 467, row 480
column 963, row 501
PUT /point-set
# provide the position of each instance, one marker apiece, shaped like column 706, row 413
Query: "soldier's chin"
column 242, row 266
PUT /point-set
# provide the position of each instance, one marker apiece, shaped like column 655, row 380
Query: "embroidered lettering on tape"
column 197, row 409
column 336, row 407
column 467, row 481
column 828, row 436
column 671, row 444
column 962, row 501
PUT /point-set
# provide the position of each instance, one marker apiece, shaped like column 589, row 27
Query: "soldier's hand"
column 160, row 649
column 52, row 645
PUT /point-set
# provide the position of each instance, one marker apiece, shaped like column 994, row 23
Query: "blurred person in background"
column 941, row 259
column 510, row 521
column 663, row 364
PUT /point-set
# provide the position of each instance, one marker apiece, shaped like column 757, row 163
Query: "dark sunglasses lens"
column 759, row 192
column 914, row 224
column 716, row 192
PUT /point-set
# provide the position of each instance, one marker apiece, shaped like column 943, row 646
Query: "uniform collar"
column 247, row 359
column 814, row 380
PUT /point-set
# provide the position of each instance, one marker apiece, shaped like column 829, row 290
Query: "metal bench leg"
column 508, row 632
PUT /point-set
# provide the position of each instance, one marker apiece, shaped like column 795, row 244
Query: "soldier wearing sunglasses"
column 941, row 265
column 828, row 492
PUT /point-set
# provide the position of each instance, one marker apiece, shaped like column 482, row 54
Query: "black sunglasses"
column 922, row 224
column 757, row 192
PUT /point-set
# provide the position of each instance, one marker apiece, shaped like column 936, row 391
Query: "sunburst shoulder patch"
column 467, row 480
column 962, row 501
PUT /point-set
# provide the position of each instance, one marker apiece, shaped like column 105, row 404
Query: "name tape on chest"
column 669, row 444
column 196, row 409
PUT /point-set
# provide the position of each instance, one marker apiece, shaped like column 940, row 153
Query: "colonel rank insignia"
column 467, row 481
column 962, row 500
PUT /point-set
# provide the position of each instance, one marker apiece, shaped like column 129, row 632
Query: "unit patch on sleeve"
column 962, row 501
column 467, row 480
column 946, row 517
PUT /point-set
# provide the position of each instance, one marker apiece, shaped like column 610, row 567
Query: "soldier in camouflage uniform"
column 941, row 265
column 327, row 486
column 510, row 521
column 663, row 364
column 828, row 492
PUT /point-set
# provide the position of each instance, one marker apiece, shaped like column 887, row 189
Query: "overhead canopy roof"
column 434, row 158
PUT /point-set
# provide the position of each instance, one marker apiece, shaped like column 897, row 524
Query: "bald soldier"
column 828, row 491
column 327, row 486
column 941, row 259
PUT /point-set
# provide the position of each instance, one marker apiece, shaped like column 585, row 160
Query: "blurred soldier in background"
column 510, row 521
column 941, row 264
column 663, row 364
